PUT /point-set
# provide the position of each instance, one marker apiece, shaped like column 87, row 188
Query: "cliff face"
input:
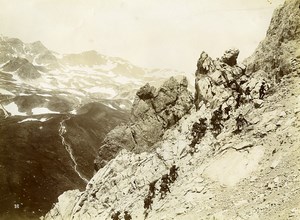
column 279, row 53
column 249, row 174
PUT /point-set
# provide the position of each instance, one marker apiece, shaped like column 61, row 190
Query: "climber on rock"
column 152, row 188
column 227, row 111
column 198, row 131
column 217, row 114
column 217, row 128
column 148, row 202
column 240, row 122
column 116, row 216
column 165, row 179
column 127, row 216
column 173, row 173
column 164, row 188
column 248, row 94
column 262, row 90
column 215, row 121
column 238, row 100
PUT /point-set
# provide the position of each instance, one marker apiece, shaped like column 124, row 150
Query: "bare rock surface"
column 153, row 112
column 235, row 176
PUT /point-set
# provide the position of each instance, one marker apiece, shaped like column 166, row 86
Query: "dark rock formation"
column 153, row 111
column 23, row 67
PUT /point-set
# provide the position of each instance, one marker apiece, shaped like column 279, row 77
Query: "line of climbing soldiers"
column 166, row 180
column 198, row 132
column 247, row 92
column 199, row 128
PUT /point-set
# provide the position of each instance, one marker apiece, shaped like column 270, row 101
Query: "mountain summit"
column 235, row 155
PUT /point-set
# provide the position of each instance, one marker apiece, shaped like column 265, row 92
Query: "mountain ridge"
column 252, row 173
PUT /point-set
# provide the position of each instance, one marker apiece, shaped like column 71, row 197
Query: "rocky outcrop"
column 153, row 112
column 23, row 67
column 216, row 80
column 230, row 57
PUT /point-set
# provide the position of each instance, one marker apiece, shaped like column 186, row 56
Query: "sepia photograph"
column 150, row 110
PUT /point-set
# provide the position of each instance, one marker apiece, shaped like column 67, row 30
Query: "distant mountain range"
column 86, row 76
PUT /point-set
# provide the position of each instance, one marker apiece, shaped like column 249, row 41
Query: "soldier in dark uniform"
column 127, row 216
column 164, row 188
column 240, row 122
column 165, row 179
column 262, row 91
column 152, row 188
column 216, row 123
column 198, row 131
column 148, row 202
column 173, row 173
column 116, row 216
column 227, row 110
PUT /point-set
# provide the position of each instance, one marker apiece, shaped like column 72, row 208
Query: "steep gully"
column 62, row 130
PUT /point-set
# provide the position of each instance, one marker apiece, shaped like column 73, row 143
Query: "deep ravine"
column 62, row 130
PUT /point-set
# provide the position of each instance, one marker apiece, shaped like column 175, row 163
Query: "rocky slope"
column 252, row 174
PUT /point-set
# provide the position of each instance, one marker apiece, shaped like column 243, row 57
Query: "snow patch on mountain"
column 97, row 89
column 13, row 109
column 42, row 110
column 34, row 119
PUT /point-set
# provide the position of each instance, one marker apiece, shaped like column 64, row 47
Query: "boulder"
column 230, row 57
column 258, row 103
column 146, row 92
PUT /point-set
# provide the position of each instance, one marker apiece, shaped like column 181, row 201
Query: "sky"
column 148, row 33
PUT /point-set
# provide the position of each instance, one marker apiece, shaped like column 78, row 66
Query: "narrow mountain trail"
column 62, row 130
